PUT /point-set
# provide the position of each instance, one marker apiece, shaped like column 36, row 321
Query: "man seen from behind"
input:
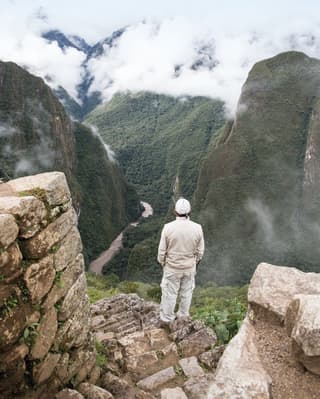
column 180, row 250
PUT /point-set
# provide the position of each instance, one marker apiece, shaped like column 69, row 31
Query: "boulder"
column 67, row 250
column 69, row 394
column 43, row 371
column 53, row 184
column 8, row 231
column 74, row 298
column 46, row 333
column 90, row 391
column 156, row 380
column 197, row 342
column 173, row 393
column 303, row 326
column 39, row 278
column 41, row 244
column 117, row 386
column 211, row 358
column 74, row 331
column 29, row 211
column 191, row 367
column 240, row 373
column 272, row 288
column 66, row 280
column 10, row 263
column 198, row 387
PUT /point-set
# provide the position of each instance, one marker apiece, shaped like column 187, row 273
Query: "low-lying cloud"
column 176, row 56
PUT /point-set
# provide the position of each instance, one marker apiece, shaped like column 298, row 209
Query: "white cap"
column 183, row 206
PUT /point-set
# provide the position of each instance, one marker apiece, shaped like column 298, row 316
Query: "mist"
column 174, row 55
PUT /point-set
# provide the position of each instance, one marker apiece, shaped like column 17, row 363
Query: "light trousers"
column 172, row 284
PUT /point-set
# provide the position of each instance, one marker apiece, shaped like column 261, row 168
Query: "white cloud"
column 158, row 55
column 24, row 45
column 148, row 53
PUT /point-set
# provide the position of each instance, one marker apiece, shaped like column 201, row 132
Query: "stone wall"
column 45, row 339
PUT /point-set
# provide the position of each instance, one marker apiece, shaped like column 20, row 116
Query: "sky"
column 161, row 36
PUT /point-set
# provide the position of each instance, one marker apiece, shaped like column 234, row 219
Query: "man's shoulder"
column 197, row 225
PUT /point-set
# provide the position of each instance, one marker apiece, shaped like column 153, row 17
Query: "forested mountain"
column 159, row 141
column 36, row 135
column 258, row 192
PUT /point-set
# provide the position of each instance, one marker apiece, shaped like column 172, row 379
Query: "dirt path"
column 289, row 378
column 96, row 266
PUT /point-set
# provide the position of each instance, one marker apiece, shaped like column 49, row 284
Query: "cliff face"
column 159, row 141
column 258, row 190
column 36, row 136
column 44, row 308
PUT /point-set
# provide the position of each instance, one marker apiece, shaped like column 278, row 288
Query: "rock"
column 154, row 381
column 30, row 213
column 13, row 322
column 53, row 185
column 143, row 395
column 95, row 375
column 9, row 360
column 68, row 249
column 273, row 287
column 46, row 333
column 117, row 386
column 74, row 331
column 66, row 280
column 158, row 338
column 303, row 326
column 182, row 327
column 197, row 342
column 39, row 278
column 74, row 298
column 142, row 365
column 211, row 358
column 168, row 355
column 40, row 245
column 90, row 391
column 174, row 393
column 240, row 373
column 69, row 394
column 79, row 358
column 198, row 387
column 191, row 367
column 8, row 231
column 43, row 371
column 62, row 371
column 10, row 263
column 86, row 368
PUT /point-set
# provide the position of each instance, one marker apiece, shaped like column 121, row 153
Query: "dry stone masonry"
column 45, row 339
column 49, row 331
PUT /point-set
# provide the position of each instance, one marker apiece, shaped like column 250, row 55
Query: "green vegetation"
column 102, row 355
column 37, row 136
column 106, row 201
column 254, row 194
column 157, row 139
column 221, row 308
column 137, row 259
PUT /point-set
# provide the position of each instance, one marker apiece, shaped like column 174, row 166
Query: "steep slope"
column 258, row 190
column 159, row 141
column 36, row 135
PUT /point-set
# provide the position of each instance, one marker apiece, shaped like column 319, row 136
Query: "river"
column 96, row 266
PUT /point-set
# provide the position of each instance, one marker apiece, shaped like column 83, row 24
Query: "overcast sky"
column 237, row 32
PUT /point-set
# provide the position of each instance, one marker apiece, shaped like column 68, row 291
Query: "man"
column 180, row 250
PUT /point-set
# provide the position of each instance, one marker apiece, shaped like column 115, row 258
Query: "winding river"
column 105, row 257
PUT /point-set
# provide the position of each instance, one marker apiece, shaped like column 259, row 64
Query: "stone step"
column 129, row 331
column 154, row 381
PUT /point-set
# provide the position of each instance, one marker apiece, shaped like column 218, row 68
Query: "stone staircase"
column 146, row 361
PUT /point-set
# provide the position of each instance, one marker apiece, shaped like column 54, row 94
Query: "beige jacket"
column 181, row 245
